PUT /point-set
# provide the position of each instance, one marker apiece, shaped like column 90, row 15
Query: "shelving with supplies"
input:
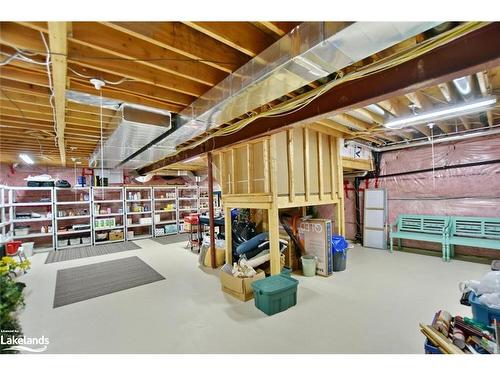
column 139, row 212
column 32, row 216
column 108, row 214
column 73, row 217
column 165, row 210
column 6, row 233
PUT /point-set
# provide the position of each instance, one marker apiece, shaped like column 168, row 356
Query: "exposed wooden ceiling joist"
column 242, row 36
column 435, row 66
column 59, row 49
column 186, row 41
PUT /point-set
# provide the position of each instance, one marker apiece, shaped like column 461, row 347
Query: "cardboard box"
column 316, row 235
column 115, row 235
column 240, row 288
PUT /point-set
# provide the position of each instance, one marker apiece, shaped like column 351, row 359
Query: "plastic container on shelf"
column 62, row 242
column 482, row 313
column 275, row 294
column 74, row 241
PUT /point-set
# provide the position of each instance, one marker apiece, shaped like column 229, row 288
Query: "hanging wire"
column 102, row 143
column 433, row 160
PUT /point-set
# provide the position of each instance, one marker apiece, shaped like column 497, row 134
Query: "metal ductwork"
column 311, row 51
column 136, row 127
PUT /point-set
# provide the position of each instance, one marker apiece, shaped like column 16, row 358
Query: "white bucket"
column 28, row 248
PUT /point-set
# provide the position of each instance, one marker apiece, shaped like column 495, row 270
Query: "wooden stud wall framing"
column 262, row 174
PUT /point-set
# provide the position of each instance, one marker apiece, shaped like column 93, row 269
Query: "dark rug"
column 89, row 251
column 173, row 238
column 81, row 283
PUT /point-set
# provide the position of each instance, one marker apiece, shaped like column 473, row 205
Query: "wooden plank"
column 300, row 201
column 340, row 188
column 424, row 103
column 307, row 187
column 250, row 162
column 232, row 172
column 182, row 39
column 254, row 197
column 357, row 164
column 333, row 158
column 320, row 166
column 265, row 158
column 59, row 49
column 106, row 60
column 291, row 166
column 280, row 28
column 440, row 340
column 224, row 182
column 253, row 205
column 273, row 222
column 242, row 36
column 228, row 235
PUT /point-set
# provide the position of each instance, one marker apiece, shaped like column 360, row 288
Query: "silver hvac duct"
column 136, row 126
column 311, row 51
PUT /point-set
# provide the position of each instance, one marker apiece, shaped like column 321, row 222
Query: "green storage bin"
column 275, row 294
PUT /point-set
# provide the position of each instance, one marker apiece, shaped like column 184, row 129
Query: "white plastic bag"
column 490, row 283
column 492, row 300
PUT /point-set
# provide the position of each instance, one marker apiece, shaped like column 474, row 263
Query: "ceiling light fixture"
column 26, row 159
column 463, row 85
column 443, row 113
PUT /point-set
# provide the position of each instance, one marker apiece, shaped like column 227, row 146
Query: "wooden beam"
column 232, row 172
column 125, row 46
column 307, row 182
column 451, row 95
column 182, row 39
column 357, row 164
column 424, row 103
column 59, row 49
column 242, row 36
column 273, row 212
column 440, row 65
column 266, row 161
column 320, row 166
column 108, row 63
column 291, row 165
column 363, row 126
column 485, row 88
column 280, row 28
column 333, row 157
column 249, row 155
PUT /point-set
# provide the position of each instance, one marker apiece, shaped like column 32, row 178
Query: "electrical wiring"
column 378, row 66
column 76, row 57
column 18, row 56
column 51, row 87
column 106, row 82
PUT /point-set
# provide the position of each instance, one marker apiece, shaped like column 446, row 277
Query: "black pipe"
column 442, row 168
column 173, row 127
column 359, row 233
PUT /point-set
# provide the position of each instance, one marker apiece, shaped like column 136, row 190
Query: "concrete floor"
column 373, row 307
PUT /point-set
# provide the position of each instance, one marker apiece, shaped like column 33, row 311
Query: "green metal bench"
column 421, row 228
column 473, row 231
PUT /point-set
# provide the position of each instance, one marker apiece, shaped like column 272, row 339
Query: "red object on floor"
column 12, row 247
column 191, row 219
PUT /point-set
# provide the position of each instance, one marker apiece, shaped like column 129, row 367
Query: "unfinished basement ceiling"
column 164, row 65
column 169, row 65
